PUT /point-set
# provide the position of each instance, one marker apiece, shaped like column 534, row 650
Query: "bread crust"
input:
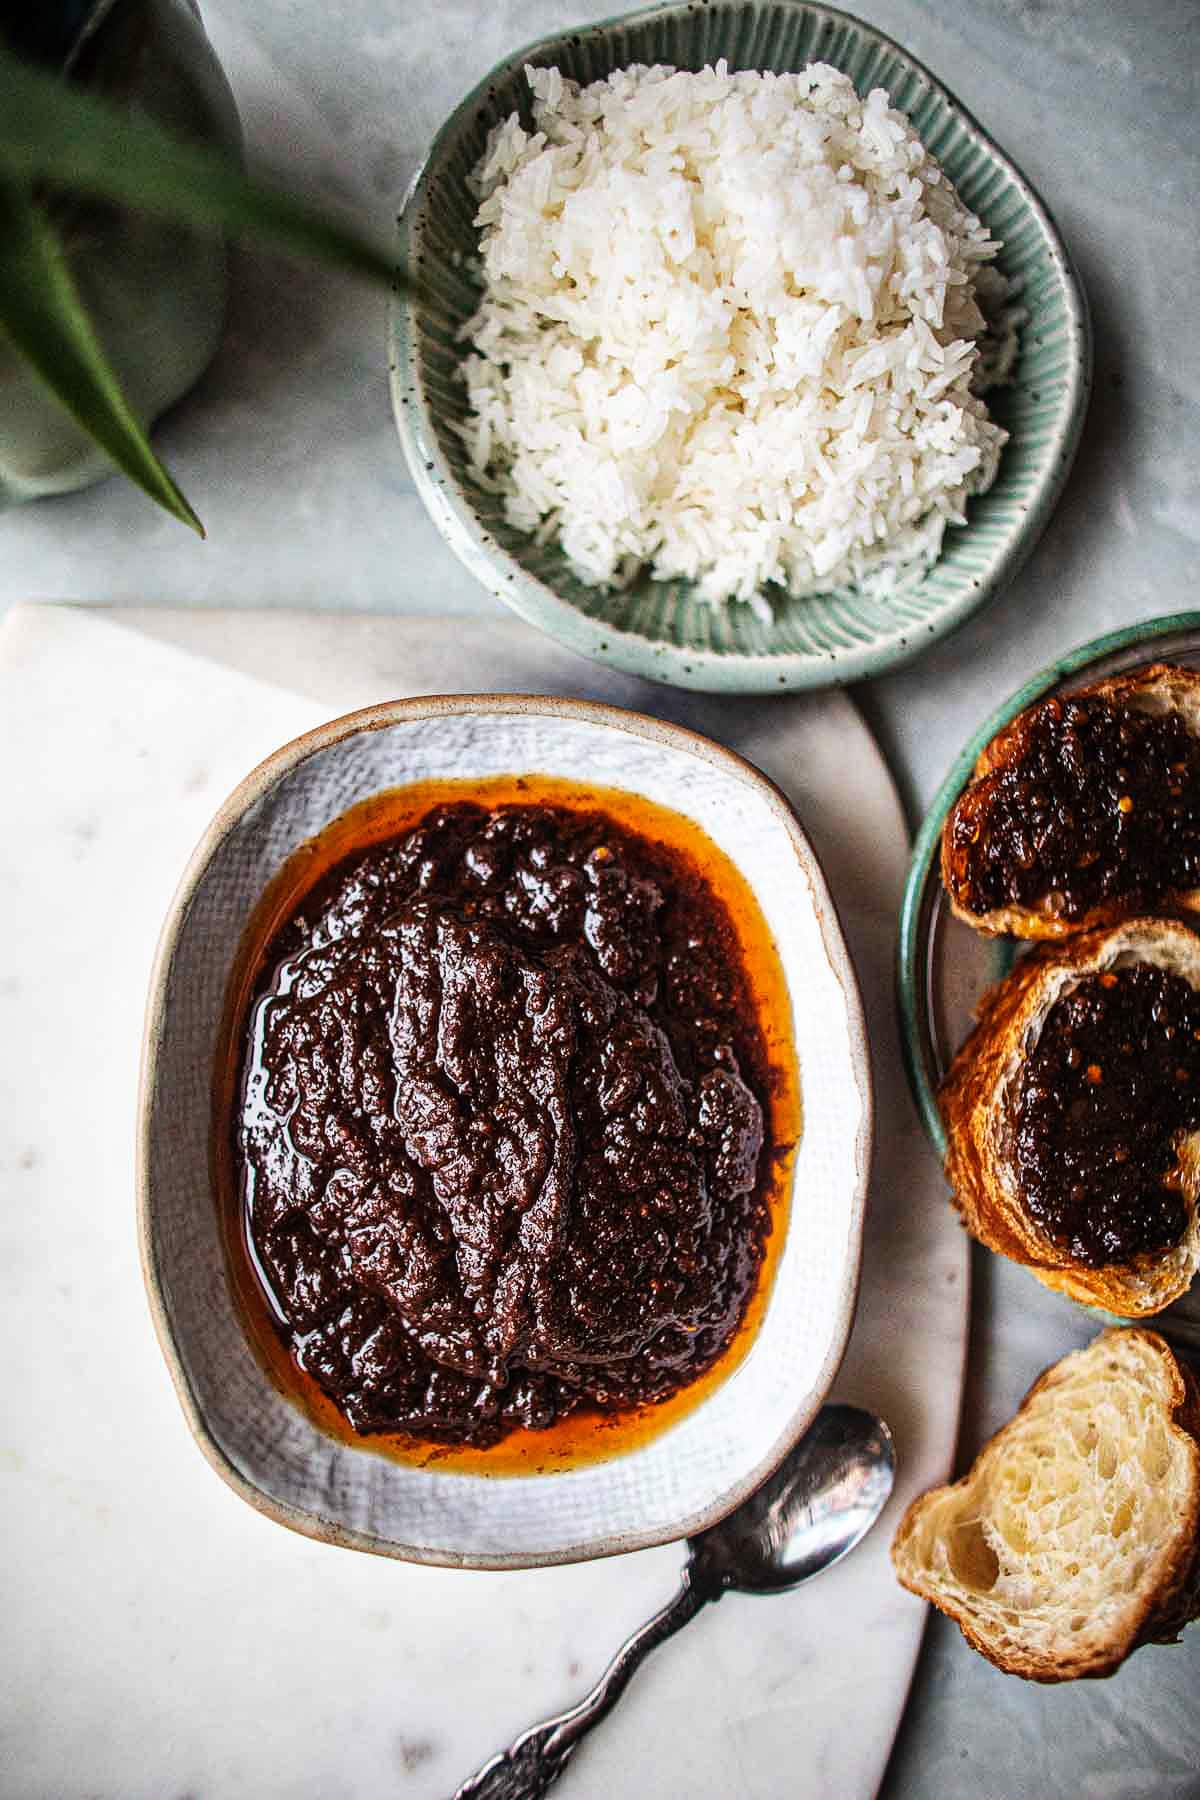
column 1157, row 688
column 977, row 1097
column 1165, row 1599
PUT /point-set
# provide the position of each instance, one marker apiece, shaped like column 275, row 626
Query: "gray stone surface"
column 288, row 451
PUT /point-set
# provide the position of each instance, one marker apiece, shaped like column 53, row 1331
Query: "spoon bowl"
column 821, row 1501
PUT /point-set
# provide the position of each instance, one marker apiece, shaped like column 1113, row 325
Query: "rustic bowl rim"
column 261, row 779
column 448, row 500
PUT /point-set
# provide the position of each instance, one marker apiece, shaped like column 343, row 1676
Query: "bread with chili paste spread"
column 1075, row 1538
column 1011, row 829
column 979, row 1102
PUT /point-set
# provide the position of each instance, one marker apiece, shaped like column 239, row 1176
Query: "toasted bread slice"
column 1075, row 1537
column 978, row 1102
column 1158, row 689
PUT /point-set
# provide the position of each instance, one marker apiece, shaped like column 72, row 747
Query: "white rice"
column 729, row 329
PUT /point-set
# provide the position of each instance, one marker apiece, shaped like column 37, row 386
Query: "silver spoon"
column 821, row 1501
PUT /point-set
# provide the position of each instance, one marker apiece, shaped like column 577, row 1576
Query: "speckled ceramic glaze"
column 659, row 629
column 943, row 967
column 263, row 1445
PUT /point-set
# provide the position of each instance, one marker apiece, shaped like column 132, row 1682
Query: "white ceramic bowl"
column 267, row 1449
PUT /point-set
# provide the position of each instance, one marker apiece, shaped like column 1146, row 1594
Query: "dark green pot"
column 155, row 291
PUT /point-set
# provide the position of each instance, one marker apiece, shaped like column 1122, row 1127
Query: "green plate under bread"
column 943, row 967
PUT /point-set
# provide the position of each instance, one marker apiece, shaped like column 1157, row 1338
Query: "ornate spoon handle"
column 531, row 1765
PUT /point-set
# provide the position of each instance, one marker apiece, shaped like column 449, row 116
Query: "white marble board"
column 174, row 1643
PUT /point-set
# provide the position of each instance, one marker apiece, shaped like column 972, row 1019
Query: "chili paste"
column 1103, row 801
column 504, row 1134
column 1105, row 1095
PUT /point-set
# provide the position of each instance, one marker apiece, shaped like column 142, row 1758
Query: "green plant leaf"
column 40, row 310
column 50, row 131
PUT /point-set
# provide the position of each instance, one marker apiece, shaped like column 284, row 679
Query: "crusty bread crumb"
column 1158, row 688
column 977, row 1099
column 1075, row 1537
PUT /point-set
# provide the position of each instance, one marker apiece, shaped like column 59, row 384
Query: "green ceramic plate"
column 658, row 629
column 943, row 966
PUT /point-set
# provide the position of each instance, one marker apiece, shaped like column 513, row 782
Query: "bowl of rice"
column 733, row 353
